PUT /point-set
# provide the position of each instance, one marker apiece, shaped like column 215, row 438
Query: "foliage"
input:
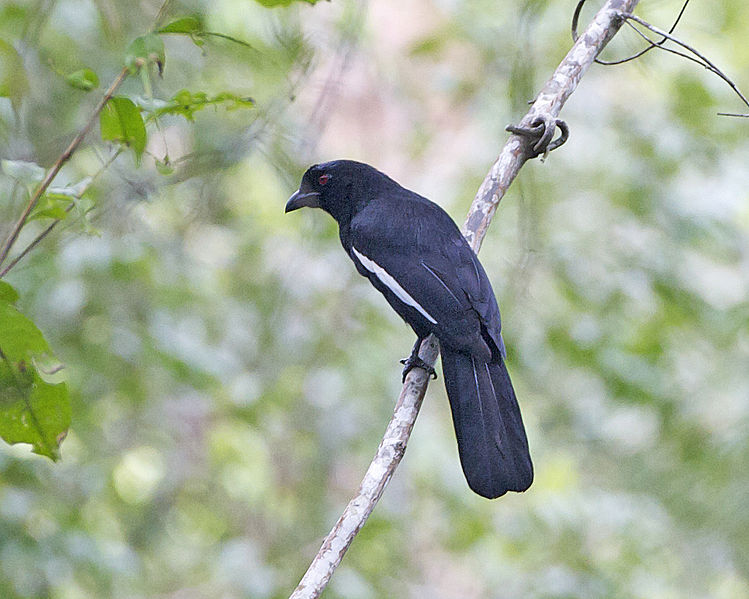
column 230, row 375
column 186, row 103
column 13, row 80
column 145, row 50
column 35, row 411
column 33, row 407
column 120, row 121
column 84, row 79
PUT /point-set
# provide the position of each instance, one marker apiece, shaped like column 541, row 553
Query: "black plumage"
column 414, row 254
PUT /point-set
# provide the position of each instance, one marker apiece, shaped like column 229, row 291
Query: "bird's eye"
column 323, row 179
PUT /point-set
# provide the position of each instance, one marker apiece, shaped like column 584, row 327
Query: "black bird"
column 414, row 254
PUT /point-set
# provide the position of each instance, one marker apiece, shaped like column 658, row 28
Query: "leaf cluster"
column 34, row 406
column 37, row 411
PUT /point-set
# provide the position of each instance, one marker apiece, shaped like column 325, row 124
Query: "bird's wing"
column 412, row 249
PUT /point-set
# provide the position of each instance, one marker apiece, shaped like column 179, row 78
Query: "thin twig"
column 34, row 243
column 64, row 157
column 52, row 173
column 652, row 44
column 666, row 36
column 514, row 154
column 161, row 14
column 703, row 60
column 57, row 221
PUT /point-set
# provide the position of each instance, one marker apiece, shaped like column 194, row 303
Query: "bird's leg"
column 540, row 133
column 414, row 361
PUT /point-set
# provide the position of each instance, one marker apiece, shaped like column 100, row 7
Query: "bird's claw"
column 540, row 134
column 416, row 362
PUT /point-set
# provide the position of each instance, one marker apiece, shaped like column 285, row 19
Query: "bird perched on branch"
column 414, row 254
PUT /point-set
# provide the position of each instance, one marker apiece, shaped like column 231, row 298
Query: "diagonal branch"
column 64, row 157
column 516, row 151
column 636, row 55
column 40, row 237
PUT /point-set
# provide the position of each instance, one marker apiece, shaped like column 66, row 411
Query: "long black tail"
column 491, row 439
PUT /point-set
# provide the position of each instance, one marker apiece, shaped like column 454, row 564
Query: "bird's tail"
column 491, row 439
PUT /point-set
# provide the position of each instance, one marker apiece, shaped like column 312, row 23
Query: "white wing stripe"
column 391, row 283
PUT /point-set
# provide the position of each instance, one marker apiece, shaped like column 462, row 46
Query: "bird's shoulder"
column 417, row 242
column 407, row 220
column 405, row 230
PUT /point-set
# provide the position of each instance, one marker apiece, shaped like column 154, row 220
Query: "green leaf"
column 121, row 122
column 84, row 79
column 164, row 166
column 197, row 39
column 189, row 26
column 13, row 81
column 72, row 191
column 29, row 173
column 51, row 205
column 183, row 25
column 186, row 103
column 145, row 50
column 194, row 29
column 33, row 408
column 56, row 202
column 83, row 209
column 7, row 293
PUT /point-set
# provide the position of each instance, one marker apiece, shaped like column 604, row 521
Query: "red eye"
column 323, row 179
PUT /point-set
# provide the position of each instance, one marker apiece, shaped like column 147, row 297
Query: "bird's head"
column 340, row 187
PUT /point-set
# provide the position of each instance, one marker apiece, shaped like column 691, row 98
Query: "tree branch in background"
column 516, row 151
column 700, row 59
column 47, row 230
column 64, row 157
column 666, row 36
column 576, row 17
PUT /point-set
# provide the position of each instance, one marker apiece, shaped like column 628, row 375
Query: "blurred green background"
column 231, row 374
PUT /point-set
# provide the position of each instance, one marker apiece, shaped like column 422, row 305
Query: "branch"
column 636, row 55
column 64, row 157
column 701, row 59
column 546, row 108
column 40, row 237
column 386, row 460
column 666, row 36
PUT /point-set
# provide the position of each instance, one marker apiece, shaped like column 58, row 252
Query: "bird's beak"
column 300, row 199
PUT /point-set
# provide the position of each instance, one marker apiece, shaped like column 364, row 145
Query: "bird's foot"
column 414, row 361
column 539, row 135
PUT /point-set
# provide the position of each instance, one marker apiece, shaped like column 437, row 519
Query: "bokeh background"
column 231, row 374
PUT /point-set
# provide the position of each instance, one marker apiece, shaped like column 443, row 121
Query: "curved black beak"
column 300, row 199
